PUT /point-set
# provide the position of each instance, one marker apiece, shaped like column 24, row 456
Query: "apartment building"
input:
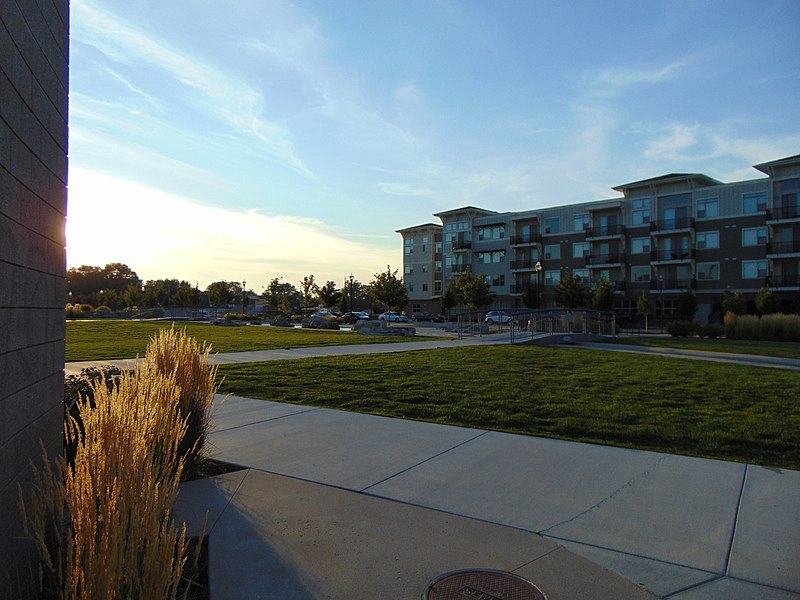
column 662, row 236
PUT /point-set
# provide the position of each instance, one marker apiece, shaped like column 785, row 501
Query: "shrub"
column 729, row 322
column 236, row 317
column 747, row 327
column 681, row 328
column 780, row 328
column 710, row 331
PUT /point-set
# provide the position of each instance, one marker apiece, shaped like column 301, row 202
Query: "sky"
column 252, row 139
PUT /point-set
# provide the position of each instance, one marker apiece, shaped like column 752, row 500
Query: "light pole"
column 538, row 268
column 661, row 297
column 351, row 292
column 244, row 287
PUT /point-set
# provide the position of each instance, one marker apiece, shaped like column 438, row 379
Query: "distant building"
column 663, row 236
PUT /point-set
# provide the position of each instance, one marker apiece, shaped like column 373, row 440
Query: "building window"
column 437, row 287
column 754, row 203
column 581, row 274
column 552, row 252
column 438, row 248
column 580, row 222
column 640, row 273
column 487, row 258
column 640, row 245
column 552, row 277
column 415, row 308
column 495, row 232
column 707, row 208
column 754, row 269
column 410, row 287
column 641, row 212
column 754, row 236
column 409, row 246
column 707, row 240
column 709, row 270
column 495, row 280
column 580, row 249
column 425, row 268
column 408, row 270
column 438, row 266
column 424, row 287
column 552, row 225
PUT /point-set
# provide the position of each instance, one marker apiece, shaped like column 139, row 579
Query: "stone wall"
column 34, row 52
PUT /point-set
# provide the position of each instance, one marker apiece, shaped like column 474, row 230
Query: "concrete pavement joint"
column 422, row 462
column 736, row 519
column 227, row 504
column 693, row 586
column 300, row 412
column 611, row 496
column 730, row 578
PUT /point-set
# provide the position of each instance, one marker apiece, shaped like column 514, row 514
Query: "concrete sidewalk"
column 345, row 505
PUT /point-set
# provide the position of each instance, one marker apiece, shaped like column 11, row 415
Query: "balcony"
column 784, row 213
column 604, row 231
column 459, row 268
column 526, row 240
column 596, row 260
column 524, row 265
column 775, row 249
column 784, row 280
column 461, row 245
column 671, row 285
column 670, row 256
column 671, row 225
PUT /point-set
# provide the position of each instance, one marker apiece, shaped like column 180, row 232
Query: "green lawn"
column 99, row 340
column 665, row 404
column 779, row 349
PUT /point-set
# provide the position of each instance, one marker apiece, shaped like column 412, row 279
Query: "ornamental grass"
column 102, row 522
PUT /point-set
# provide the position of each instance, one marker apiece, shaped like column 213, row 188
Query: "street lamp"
column 351, row 292
column 244, row 287
column 538, row 268
column 661, row 299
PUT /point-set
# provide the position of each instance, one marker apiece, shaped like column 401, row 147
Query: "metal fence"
column 526, row 324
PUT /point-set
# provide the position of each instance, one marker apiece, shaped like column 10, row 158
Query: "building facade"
column 34, row 79
column 662, row 237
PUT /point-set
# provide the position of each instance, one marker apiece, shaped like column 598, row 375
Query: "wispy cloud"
column 674, row 145
column 228, row 98
column 613, row 81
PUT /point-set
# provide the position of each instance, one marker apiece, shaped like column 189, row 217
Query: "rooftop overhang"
column 418, row 227
column 769, row 167
column 692, row 181
column 465, row 210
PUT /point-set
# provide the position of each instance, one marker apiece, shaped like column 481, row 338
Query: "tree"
column 767, row 301
column 185, row 295
column 473, row 290
column 309, row 289
column 222, row 293
column 354, row 294
column 118, row 276
column 282, row 294
column 530, row 295
column 85, row 283
column 603, row 298
column 328, row 295
column 733, row 302
column 686, row 306
column 643, row 307
column 571, row 292
column 388, row 290
column 449, row 298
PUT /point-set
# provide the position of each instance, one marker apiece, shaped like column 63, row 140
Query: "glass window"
column 408, row 270
column 552, row 277
column 640, row 214
column 640, row 273
column 425, row 268
column 552, row 225
column 709, row 270
column 707, row 208
column 438, row 266
column 754, row 203
column 438, row 248
column 424, row 287
column 754, row 236
column 409, row 246
column 582, row 274
column 580, row 249
column 754, row 269
column 580, row 222
column 640, row 245
column 707, row 240
column 553, row 251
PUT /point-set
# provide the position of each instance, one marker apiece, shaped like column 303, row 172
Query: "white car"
column 494, row 317
column 393, row 317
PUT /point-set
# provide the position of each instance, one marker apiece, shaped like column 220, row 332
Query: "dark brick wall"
column 34, row 50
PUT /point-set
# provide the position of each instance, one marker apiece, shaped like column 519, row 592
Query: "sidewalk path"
column 361, row 489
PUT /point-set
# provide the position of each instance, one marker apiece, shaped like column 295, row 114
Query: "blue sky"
column 252, row 139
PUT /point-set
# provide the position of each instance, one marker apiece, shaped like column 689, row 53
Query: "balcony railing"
column 672, row 284
column 524, row 265
column 784, row 212
column 462, row 244
column 783, row 280
column 605, row 259
column 605, row 231
column 790, row 247
column 531, row 238
column 459, row 268
column 677, row 255
column 670, row 224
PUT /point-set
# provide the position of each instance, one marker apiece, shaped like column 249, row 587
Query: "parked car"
column 352, row 317
column 393, row 317
column 494, row 317
column 426, row 316
column 324, row 314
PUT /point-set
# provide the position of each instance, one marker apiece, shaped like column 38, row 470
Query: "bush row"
column 774, row 327
column 693, row 328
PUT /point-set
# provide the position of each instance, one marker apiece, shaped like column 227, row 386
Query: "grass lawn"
column 665, row 404
column 98, row 340
column 779, row 349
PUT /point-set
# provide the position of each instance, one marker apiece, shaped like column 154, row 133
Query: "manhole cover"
column 481, row 584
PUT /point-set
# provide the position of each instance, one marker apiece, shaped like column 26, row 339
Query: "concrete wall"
column 34, row 54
